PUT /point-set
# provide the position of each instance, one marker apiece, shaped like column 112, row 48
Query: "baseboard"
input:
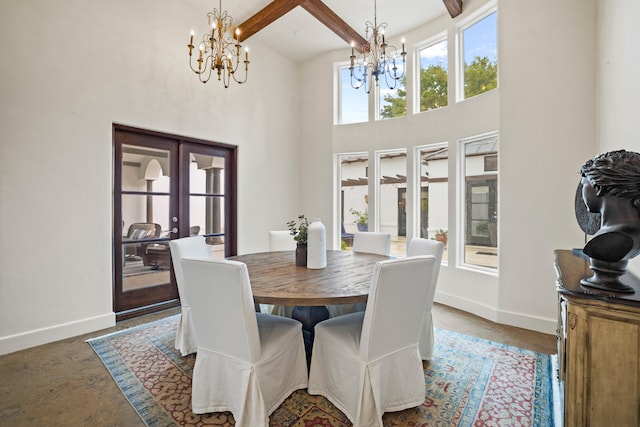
column 534, row 323
column 17, row 342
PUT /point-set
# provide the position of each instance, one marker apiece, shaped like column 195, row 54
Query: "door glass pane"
column 354, row 191
column 145, row 217
column 481, row 201
column 392, row 190
column 434, row 194
column 206, row 200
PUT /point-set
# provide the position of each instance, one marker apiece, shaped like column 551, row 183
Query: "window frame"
column 417, row 188
column 425, row 44
column 461, row 210
column 337, row 90
column 460, row 27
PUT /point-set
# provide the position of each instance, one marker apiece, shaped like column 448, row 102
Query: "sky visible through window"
column 480, row 40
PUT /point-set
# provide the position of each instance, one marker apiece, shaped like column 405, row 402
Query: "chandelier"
column 376, row 59
column 219, row 50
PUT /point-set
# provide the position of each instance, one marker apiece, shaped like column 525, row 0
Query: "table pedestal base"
column 309, row 316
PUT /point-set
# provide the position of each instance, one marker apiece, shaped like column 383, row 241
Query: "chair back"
column 222, row 311
column 144, row 230
column 419, row 246
column 281, row 240
column 372, row 242
column 187, row 247
column 395, row 308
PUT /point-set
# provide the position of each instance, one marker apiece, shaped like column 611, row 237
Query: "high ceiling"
column 298, row 35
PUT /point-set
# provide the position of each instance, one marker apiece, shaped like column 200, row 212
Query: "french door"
column 166, row 187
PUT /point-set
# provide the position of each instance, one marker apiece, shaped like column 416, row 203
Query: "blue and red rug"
column 470, row 382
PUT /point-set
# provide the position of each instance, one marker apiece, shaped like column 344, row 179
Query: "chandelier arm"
column 219, row 50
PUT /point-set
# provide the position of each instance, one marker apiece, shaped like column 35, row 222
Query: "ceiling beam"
column 316, row 8
column 332, row 21
column 454, row 7
column 270, row 13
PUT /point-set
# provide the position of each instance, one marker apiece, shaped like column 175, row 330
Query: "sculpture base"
column 606, row 276
column 613, row 286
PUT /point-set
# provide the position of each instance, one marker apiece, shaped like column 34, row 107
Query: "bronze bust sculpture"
column 611, row 187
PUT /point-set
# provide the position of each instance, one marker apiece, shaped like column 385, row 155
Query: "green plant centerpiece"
column 362, row 219
column 299, row 231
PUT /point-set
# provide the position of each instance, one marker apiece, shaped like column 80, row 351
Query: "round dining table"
column 276, row 279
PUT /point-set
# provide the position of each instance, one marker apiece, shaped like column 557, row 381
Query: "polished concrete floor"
column 65, row 383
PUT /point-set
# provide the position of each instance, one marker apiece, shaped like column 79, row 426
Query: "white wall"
column 69, row 71
column 544, row 109
column 547, row 130
column 618, row 66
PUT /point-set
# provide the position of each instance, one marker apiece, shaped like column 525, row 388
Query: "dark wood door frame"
column 156, row 298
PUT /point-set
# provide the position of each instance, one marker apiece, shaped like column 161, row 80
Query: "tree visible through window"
column 434, row 76
column 480, row 56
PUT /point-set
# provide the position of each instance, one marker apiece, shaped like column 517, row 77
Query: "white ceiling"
column 299, row 36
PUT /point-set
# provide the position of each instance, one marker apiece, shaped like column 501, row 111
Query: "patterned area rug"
column 470, row 382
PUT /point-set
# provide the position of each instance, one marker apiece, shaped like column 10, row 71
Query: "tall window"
column 480, row 56
column 354, row 195
column 392, row 102
column 391, row 189
column 433, row 76
column 353, row 103
column 433, row 185
column 480, row 222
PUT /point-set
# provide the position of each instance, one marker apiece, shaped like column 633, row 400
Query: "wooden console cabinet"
column 598, row 347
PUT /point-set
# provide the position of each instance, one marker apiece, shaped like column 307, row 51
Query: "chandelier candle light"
column 377, row 58
column 219, row 50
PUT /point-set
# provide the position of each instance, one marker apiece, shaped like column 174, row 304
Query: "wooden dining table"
column 275, row 279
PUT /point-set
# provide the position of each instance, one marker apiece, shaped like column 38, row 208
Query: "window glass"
column 481, row 202
column 392, row 102
column 480, row 56
column 354, row 195
column 433, row 76
column 433, row 200
column 392, row 197
column 354, row 103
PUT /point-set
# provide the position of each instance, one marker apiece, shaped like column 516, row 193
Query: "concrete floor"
column 65, row 383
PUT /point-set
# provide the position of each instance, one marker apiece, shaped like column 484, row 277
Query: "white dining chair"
column 281, row 240
column 248, row 363
column 188, row 247
column 368, row 363
column 365, row 242
column 418, row 246
column 372, row 242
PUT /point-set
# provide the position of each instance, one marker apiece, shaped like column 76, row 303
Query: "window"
column 433, row 83
column 353, row 171
column 392, row 102
column 353, row 103
column 433, row 193
column 480, row 56
column 391, row 192
column 480, row 201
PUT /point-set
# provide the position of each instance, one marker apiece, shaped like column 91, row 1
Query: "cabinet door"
column 603, row 366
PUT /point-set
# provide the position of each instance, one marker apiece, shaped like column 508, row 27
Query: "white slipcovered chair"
column 368, row 363
column 281, row 240
column 364, row 242
column 372, row 242
column 188, row 247
column 248, row 363
column 418, row 246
